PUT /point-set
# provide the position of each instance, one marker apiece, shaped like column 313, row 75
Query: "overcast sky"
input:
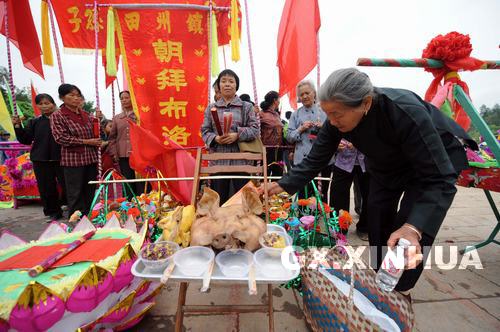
column 350, row 29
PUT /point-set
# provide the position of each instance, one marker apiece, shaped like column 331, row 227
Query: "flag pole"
column 97, row 101
column 117, row 82
column 209, row 32
column 113, row 98
column 318, row 67
column 252, row 67
column 9, row 59
column 56, row 44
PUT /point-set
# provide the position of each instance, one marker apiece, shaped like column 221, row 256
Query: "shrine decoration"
column 18, row 172
column 310, row 222
column 445, row 56
column 90, row 288
column 165, row 53
column 75, row 19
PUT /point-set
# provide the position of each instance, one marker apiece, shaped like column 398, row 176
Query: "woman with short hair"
column 303, row 129
column 244, row 128
column 73, row 129
column 412, row 151
column 119, row 140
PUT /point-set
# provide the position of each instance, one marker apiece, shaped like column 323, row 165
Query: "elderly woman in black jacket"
column 45, row 155
column 412, row 151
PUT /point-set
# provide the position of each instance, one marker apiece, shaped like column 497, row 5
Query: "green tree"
column 23, row 95
column 88, row 106
column 492, row 118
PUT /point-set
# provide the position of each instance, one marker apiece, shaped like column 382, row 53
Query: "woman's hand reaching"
column 273, row 188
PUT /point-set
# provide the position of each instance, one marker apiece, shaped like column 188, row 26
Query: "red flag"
column 297, row 44
column 168, row 159
column 224, row 22
column 22, row 33
column 36, row 110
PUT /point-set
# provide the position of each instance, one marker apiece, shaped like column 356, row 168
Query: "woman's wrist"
column 414, row 229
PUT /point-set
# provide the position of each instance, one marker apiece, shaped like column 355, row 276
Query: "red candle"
column 215, row 117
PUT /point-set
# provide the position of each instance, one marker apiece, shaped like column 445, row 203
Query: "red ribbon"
column 468, row 63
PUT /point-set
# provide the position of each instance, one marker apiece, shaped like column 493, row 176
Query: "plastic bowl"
column 276, row 228
column 277, row 251
column 158, row 264
column 193, row 261
column 268, row 263
column 234, row 262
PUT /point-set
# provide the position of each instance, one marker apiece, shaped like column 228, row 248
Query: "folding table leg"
column 271, row 309
column 493, row 234
column 181, row 301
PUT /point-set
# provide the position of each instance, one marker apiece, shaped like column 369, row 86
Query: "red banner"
column 166, row 56
column 483, row 178
column 76, row 20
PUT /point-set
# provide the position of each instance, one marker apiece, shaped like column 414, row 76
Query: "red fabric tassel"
column 454, row 50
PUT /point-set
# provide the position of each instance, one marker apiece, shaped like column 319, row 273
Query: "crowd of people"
column 64, row 149
column 402, row 154
column 287, row 143
column 64, row 145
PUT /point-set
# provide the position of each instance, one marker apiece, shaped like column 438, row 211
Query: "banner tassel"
column 111, row 67
column 215, row 48
column 235, row 32
column 48, row 58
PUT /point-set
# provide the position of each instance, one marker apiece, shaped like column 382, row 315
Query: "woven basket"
column 327, row 309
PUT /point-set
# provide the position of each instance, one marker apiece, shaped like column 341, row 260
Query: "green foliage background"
column 23, row 97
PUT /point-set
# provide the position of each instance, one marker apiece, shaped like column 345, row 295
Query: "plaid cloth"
column 69, row 134
column 245, row 122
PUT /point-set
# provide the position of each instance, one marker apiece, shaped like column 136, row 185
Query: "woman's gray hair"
column 310, row 84
column 348, row 86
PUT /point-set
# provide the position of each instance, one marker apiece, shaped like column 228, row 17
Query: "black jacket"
column 405, row 140
column 38, row 132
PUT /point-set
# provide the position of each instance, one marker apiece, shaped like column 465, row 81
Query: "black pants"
column 340, row 193
column 129, row 173
column 384, row 219
column 357, row 195
column 274, row 155
column 48, row 174
column 227, row 187
column 78, row 191
column 308, row 189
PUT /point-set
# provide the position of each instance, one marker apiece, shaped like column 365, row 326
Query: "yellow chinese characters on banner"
column 167, row 66
column 76, row 20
